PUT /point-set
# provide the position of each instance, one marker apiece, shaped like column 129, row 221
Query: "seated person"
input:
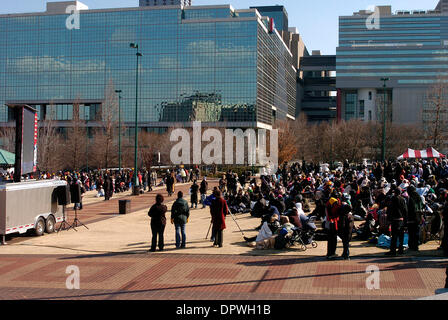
column 267, row 231
column 294, row 217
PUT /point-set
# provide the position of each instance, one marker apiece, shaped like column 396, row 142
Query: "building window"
column 370, row 115
column 370, row 95
column 350, row 105
column 361, row 109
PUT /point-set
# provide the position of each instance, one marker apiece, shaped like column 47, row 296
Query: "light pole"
column 119, row 128
column 87, row 138
column 383, row 149
column 136, row 190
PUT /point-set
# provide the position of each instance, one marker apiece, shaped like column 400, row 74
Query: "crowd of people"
column 404, row 200
column 391, row 199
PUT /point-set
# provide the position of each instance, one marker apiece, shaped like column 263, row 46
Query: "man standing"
column 180, row 212
column 170, row 181
column 158, row 222
column 397, row 212
column 445, row 230
column 345, row 226
column 203, row 190
column 108, row 187
column 194, row 194
column 415, row 217
column 218, row 210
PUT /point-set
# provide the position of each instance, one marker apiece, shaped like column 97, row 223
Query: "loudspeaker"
column 63, row 195
column 75, row 193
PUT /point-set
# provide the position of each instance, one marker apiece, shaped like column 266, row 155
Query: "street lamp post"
column 136, row 190
column 119, row 129
column 383, row 149
column 87, row 138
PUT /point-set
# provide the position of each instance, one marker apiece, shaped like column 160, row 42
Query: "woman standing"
column 158, row 222
column 170, row 181
column 218, row 210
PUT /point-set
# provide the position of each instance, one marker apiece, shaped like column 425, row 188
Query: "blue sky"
column 316, row 20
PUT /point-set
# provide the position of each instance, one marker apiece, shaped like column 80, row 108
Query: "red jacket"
column 218, row 210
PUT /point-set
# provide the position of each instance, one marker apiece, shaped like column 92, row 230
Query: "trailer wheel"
column 49, row 225
column 39, row 230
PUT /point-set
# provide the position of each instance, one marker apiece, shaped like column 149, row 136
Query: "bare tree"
column 7, row 139
column 75, row 140
column 106, row 137
column 435, row 114
column 49, row 142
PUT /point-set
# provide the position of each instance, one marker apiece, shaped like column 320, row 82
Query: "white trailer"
column 30, row 205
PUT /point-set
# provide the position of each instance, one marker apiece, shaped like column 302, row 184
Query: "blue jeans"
column 180, row 233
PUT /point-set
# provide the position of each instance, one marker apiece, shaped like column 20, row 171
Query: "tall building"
column 214, row 64
column 408, row 47
column 183, row 3
column 278, row 13
column 318, row 78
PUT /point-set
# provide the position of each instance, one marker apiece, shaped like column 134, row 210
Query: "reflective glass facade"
column 199, row 63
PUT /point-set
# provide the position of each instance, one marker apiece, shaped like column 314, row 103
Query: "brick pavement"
column 195, row 275
column 213, row 277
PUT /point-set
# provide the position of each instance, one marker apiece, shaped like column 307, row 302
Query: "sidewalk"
column 114, row 263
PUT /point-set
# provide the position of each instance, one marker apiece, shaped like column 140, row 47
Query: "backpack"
column 280, row 242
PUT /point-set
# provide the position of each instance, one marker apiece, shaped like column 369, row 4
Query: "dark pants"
column 446, row 283
column 445, row 240
column 414, row 237
column 346, row 237
column 397, row 235
column 157, row 230
column 332, row 240
column 181, row 237
column 218, row 236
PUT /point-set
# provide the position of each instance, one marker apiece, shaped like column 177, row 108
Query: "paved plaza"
column 114, row 263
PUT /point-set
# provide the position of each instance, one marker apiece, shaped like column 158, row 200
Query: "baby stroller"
column 304, row 236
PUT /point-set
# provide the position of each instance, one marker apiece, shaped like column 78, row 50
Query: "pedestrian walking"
column 180, row 213
column 158, row 223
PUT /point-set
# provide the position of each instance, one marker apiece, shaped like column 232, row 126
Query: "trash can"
column 124, row 206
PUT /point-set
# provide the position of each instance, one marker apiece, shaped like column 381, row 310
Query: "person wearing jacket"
column 180, row 213
column 203, row 190
column 397, row 213
column 415, row 217
column 194, row 194
column 345, row 226
column 444, row 245
column 158, row 222
column 170, row 182
column 218, row 211
column 332, row 217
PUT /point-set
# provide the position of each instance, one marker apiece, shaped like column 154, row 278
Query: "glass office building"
column 212, row 64
column 278, row 13
column 408, row 47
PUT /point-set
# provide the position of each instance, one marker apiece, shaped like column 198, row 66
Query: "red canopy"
column 421, row 154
